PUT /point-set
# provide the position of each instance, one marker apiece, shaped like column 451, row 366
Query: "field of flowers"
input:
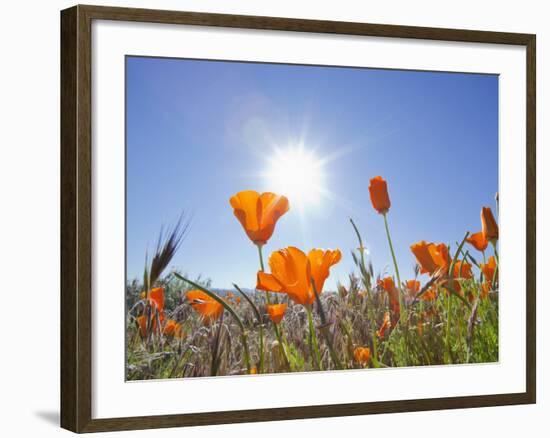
column 446, row 314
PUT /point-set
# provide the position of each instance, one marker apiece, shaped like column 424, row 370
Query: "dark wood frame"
column 76, row 226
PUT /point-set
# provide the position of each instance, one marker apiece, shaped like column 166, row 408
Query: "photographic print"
column 300, row 218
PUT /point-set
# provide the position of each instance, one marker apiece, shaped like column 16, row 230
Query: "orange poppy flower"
column 454, row 285
column 156, row 297
column 440, row 256
column 421, row 251
column 156, row 300
column 485, row 289
column 413, row 287
column 292, row 271
column 258, row 213
column 430, row 294
column 489, row 269
column 489, row 226
column 378, row 189
column 478, row 241
column 207, row 307
column 276, row 312
column 463, row 270
column 361, row 355
column 386, row 324
column 393, row 293
column 173, row 329
column 142, row 323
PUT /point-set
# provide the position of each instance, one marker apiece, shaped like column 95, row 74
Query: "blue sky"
column 200, row 131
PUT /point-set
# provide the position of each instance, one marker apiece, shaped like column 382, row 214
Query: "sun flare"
column 296, row 173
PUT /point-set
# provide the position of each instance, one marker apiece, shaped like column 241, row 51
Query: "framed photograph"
column 270, row 218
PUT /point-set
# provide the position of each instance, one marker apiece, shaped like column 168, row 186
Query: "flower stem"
column 325, row 328
column 262, row 268
column 401, row 307
column 313, row 339
column 267, row 297
column 494, row 245
column 261, row 257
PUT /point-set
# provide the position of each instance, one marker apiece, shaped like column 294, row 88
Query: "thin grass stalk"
column 494, row 245
column 325, row 328
column 316, row 357
column 370, row 300
column 450, row 288
column 260, row 322
column 362, row 249
column 215, row 350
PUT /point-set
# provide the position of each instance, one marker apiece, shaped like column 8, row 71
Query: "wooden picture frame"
column 76, row 217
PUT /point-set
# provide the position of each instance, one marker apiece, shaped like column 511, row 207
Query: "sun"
column 296, row 173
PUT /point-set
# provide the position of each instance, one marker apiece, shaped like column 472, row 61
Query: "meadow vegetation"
column 446, row 314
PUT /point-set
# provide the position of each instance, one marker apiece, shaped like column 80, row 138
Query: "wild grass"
column 431, row 325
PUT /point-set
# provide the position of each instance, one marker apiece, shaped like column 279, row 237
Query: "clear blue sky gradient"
column 200, row 131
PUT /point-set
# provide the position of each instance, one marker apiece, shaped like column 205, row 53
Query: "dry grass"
column 450, row 329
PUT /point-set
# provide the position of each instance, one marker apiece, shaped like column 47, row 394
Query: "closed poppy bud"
column 393, row 293
column 276, row 312
column 489, row 226
column 379, row 197
column 386, row 324
column 478, row 241
column 362, row 355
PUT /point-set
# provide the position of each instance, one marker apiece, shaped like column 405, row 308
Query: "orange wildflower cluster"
column 155, row 299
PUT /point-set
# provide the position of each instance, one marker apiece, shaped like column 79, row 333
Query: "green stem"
column 262, row 268
column 260, row 322
column 399, row 286
column 325, row 327
column 494, row 245
column 261, row 353
column 448, row 331
column 313, row 339
column 267, row 297
column 244, row 339
column 366, row 279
